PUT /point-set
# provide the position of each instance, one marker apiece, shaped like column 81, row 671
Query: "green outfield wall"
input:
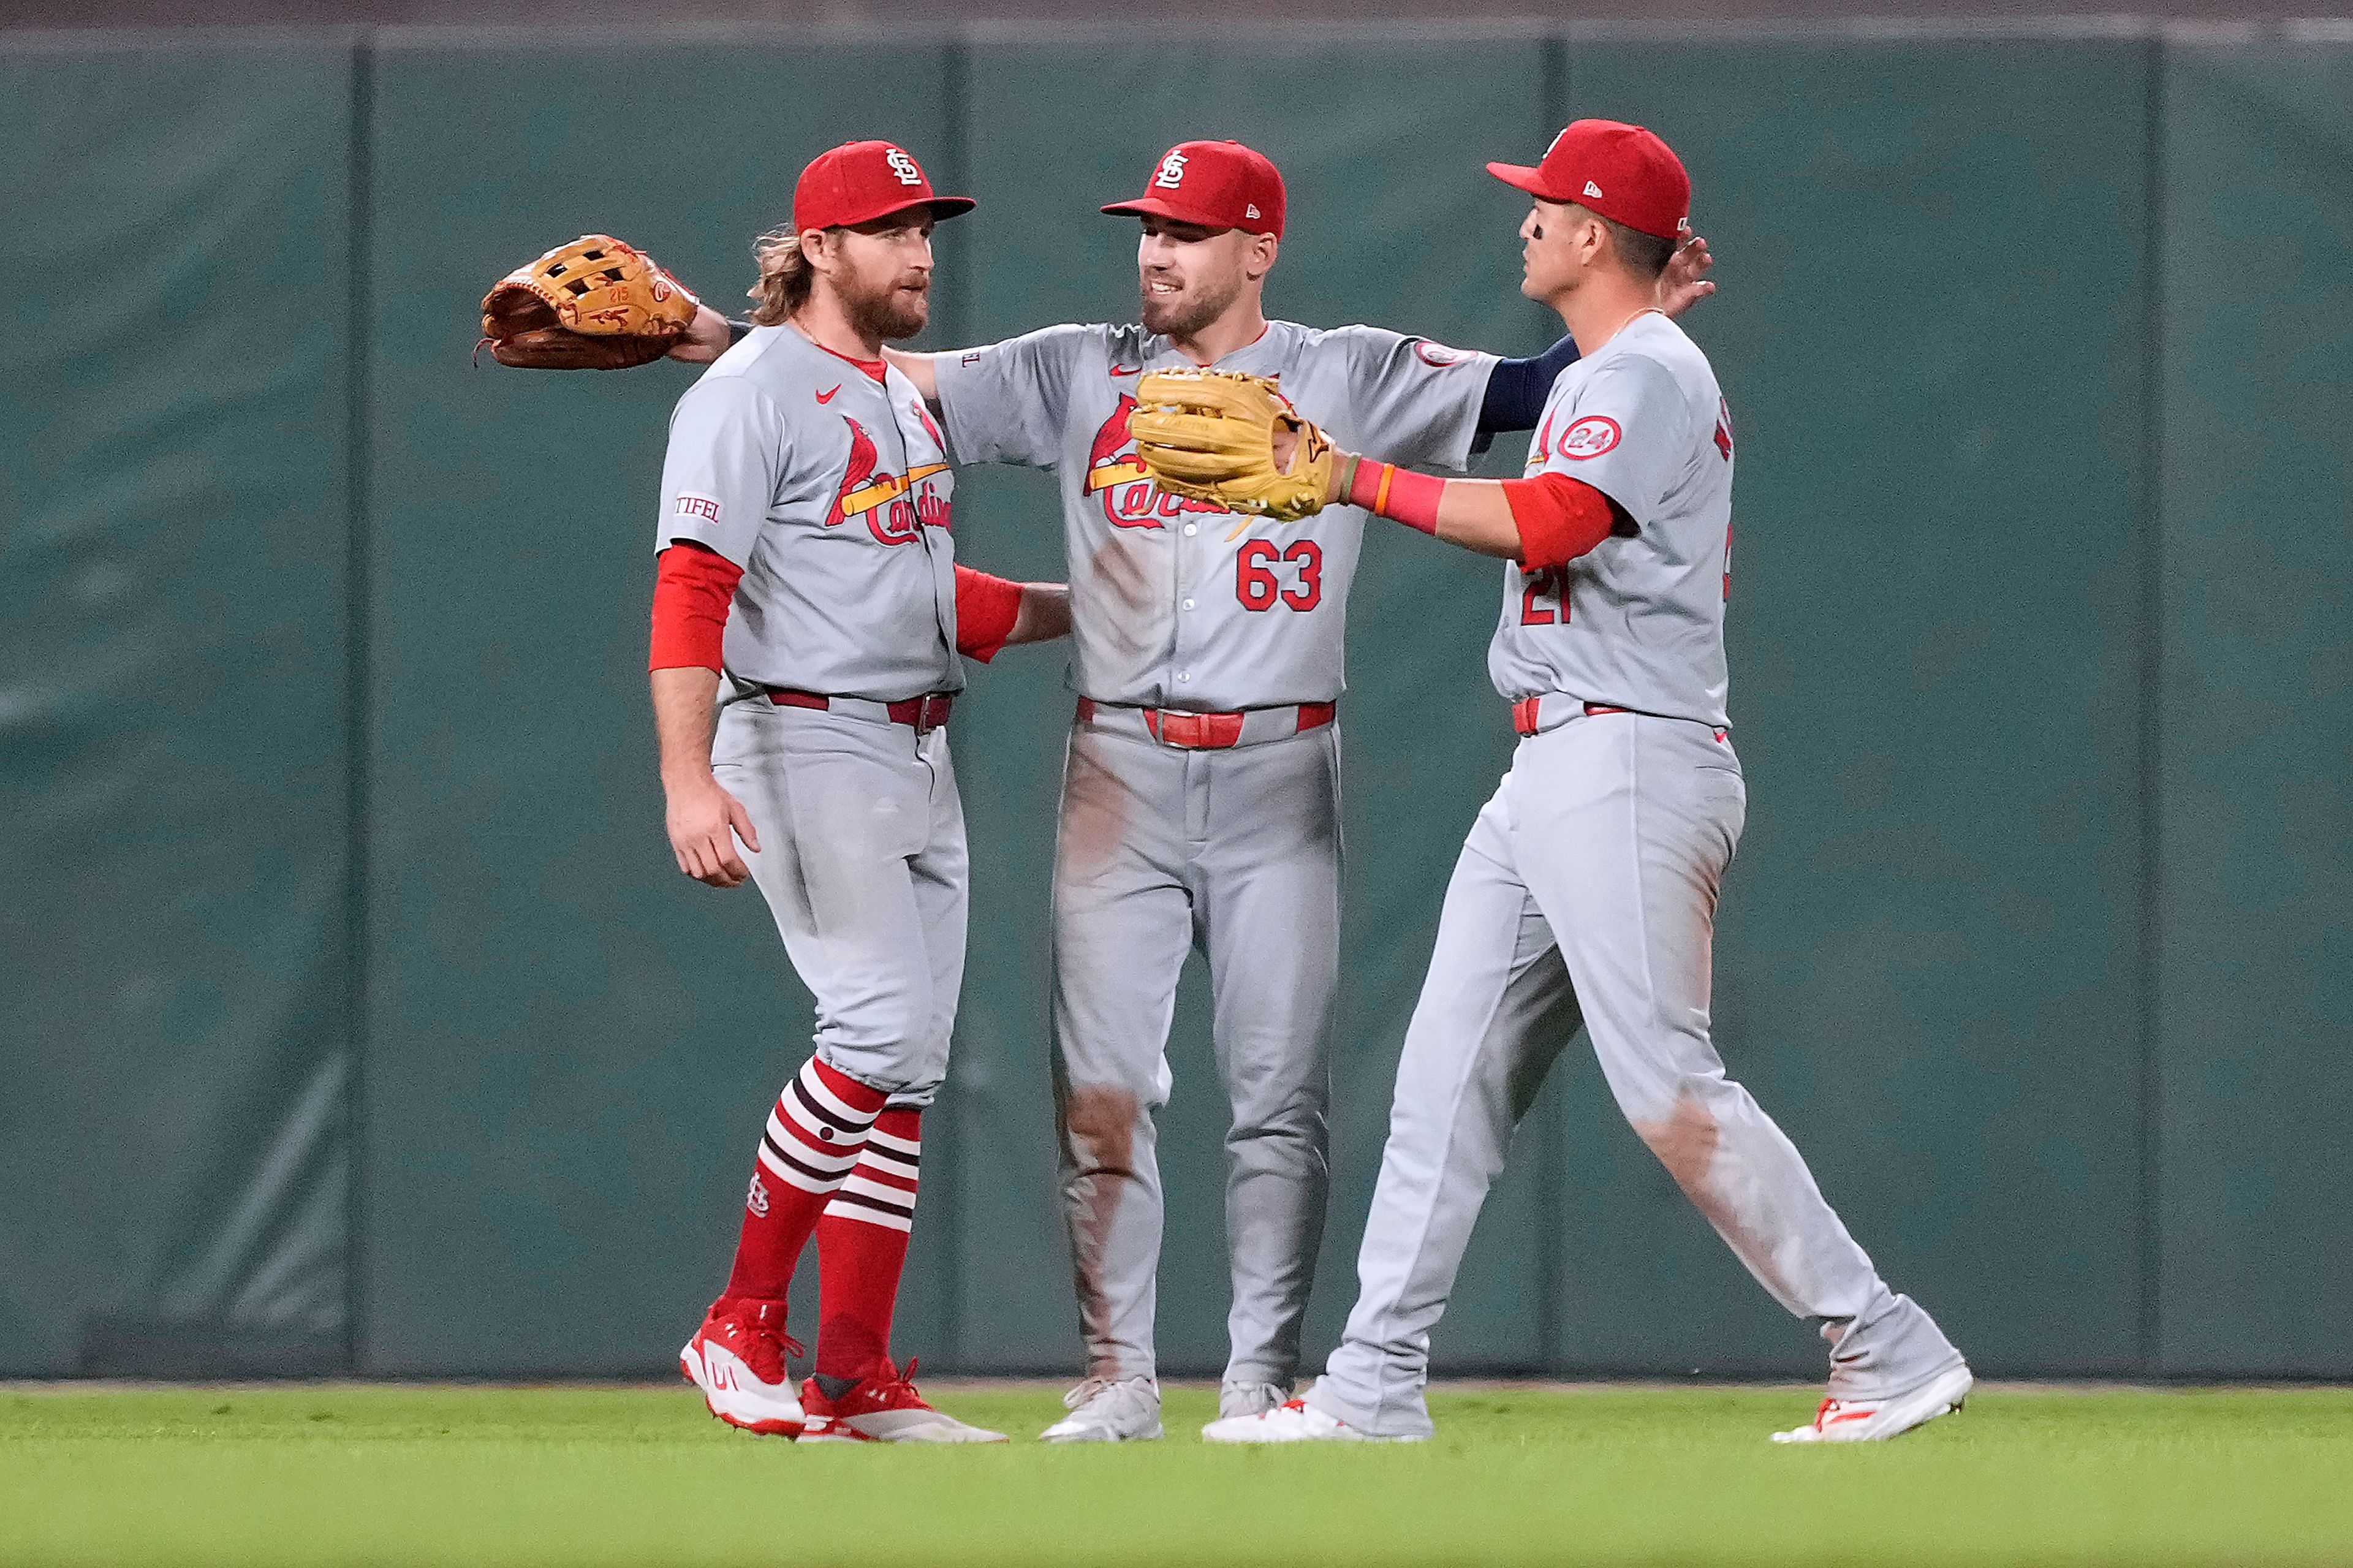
column 355, row 1018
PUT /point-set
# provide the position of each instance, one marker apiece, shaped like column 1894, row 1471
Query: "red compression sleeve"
column 1560, row 518
column 985, row 608
column 693, row 593
column 1399, row 494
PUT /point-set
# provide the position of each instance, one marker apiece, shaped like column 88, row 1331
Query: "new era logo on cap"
column 1648, row 190
column 1217, row 184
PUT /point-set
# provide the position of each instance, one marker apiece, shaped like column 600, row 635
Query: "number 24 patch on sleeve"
column 1588, row 438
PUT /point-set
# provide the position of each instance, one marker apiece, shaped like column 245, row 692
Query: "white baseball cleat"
column 1248, row 1399
column 737, row 1358
column 1876, row 1420
column 1293, row 1421
column 1104, row 1411
column 884, row 1408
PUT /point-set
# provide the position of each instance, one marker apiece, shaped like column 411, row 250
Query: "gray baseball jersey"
column 1179, row 604
column 1586, row 895
column 832, row 491
column 1639, row 621
column 1233, row 850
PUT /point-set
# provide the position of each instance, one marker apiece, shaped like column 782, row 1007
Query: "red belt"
column 1524, row 711
column 1210, row 732
column 923, row 714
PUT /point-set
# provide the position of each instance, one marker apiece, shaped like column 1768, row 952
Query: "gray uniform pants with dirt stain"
column 1236, row 852
column 1586, row 893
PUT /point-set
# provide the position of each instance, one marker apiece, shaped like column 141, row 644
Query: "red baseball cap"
column 1217, row 184
column 1623, row 172
column 859, row 182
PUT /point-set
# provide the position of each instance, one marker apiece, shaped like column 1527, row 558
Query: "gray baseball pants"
column 864, row 863
column 1586, row 893
column 1236, row 852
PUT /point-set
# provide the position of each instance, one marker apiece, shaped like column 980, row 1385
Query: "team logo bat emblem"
column 895, row 506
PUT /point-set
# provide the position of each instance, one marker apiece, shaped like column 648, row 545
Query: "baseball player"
column 1585, row 892
column 807, row 617
column 1200, row 802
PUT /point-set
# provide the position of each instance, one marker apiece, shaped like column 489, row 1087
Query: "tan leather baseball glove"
column 1211, row 434
column 594, row 304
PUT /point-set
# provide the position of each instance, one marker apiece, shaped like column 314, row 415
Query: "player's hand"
column 704, row 822
column 706, row 337
column 1682, row 285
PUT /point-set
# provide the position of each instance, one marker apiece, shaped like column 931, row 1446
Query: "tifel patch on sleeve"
column 1588, row 438
column 696, row 506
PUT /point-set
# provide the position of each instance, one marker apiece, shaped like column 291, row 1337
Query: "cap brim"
column 1159, row 206
column 1521, row 176
column 942, row 208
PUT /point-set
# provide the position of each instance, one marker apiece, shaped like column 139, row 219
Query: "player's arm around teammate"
column 1516, row 389
column 808, row 594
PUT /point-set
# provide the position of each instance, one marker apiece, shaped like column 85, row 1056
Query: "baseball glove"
column 594, row 304
column 1211, row 434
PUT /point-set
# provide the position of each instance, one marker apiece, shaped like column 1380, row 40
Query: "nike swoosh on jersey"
column 827, row 396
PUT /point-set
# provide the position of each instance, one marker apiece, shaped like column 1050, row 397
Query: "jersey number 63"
column 1258, row 587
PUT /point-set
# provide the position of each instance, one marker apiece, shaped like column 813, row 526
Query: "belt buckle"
column 931, row 712
column 1189, row 731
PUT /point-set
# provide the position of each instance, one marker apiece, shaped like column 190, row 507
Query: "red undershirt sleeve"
column 1560, row 518
column 693, row 590
column 986, row 609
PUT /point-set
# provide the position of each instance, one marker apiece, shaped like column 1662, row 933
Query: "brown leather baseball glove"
column 594, row 304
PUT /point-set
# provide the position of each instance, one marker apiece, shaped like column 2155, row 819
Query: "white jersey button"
column 1189, row 603
column 1184, row 675
column 1191, row 529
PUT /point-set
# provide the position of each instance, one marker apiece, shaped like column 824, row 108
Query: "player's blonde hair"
column 785, row 276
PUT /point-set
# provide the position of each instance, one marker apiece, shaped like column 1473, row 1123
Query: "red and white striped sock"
column 813, row 1140
column 861, row 1248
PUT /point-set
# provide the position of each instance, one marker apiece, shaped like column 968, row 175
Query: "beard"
column 1184, row 315
column 887, row 312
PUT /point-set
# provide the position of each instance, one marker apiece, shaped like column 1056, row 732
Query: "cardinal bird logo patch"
column 895, row 506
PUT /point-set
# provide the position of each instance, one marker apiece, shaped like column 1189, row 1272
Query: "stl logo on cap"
column 1172, row 172
column 859, row 181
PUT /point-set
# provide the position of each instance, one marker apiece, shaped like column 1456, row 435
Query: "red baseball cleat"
column 737, row 1358
column 884, row 1408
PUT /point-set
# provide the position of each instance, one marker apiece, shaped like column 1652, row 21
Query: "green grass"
column 335, row 1475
